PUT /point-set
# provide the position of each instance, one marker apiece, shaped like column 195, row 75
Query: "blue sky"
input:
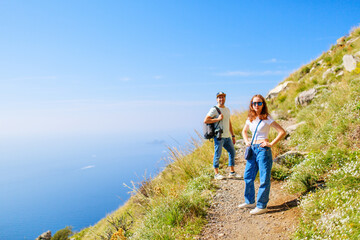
column 117, row 67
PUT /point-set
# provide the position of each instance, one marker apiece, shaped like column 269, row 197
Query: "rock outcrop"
column 278, row 89
column 44, row 236
column 349, row 62
column 341, row 73
column 330, row 70
column 290, row 129
column 278, row 114
column 304, row 98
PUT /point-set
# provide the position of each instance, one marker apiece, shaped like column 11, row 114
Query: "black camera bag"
column 209, row 128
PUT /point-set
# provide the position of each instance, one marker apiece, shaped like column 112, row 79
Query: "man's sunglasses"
column 257, row 103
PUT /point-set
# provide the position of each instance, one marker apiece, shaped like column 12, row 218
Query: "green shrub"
column 357, row 69
column 301, row 88
column 63, row 234
column 328, row 60
column 337, row 58
column 279, row 172
column 292, row 160
column 282, row 97
column 304, row 71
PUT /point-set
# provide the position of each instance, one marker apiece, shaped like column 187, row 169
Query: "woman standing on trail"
column 259, row 121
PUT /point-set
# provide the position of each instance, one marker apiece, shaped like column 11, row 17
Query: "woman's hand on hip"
column 265, row 144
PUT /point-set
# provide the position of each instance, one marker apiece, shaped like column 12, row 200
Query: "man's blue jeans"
column 262, row 162
column 229, row 146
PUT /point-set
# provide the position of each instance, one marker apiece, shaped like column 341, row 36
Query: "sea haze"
column 50, row 183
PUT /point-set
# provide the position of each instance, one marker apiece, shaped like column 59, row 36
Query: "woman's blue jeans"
column 229, row 146
column 261, row 161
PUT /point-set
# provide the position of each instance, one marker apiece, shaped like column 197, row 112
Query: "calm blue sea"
column 49, row 183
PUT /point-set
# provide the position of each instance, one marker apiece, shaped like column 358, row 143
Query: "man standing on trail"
column 224, row 136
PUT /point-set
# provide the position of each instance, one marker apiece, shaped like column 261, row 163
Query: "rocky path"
column 227, row 221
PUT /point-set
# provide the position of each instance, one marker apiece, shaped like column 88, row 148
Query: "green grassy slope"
column 329, row 176
column 173, row 205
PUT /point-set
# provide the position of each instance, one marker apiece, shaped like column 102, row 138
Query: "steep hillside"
column 324, row 98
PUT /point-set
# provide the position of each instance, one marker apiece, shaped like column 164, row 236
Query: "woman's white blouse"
column 262, row 132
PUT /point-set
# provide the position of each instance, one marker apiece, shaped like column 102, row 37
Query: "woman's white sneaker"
column 247, row 205
column 257, row 211
column 234, row 175
column 219, row 177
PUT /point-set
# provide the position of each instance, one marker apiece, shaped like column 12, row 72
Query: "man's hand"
column 220, row 117
column 233, row 139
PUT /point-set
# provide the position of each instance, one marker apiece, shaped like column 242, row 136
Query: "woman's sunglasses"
column 257, row 103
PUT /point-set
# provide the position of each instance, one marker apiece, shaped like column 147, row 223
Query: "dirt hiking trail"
column 227, row 221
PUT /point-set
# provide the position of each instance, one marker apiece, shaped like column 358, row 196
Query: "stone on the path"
column 304, row 98
column 239, row 143
column 278, row 89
